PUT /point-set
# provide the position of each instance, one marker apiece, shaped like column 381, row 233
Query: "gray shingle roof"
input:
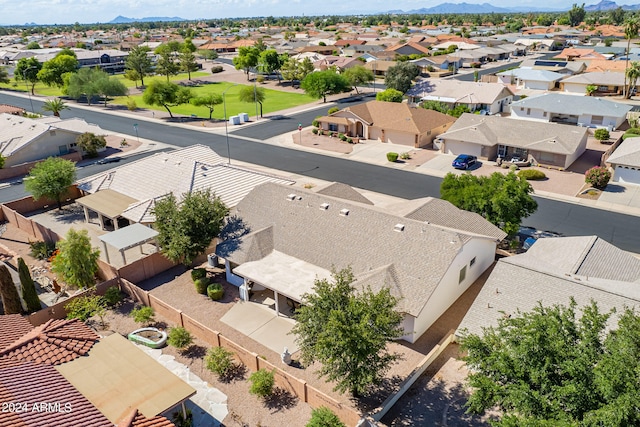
column 551, row 272
column 570, row 104
column 334, row 233
column 627, row 153
column 493, row 130
column 462, row 92
column 343, row 191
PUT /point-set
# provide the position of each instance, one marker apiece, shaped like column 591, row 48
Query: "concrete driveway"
column 621, row 194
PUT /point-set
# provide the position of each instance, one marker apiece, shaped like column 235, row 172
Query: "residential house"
column 393, row 122
column 583, row 111
column 526, row 78
column 492, row 98
column 555, row 271
column 341, row 63
column 607, row 83
column 490, row 137
column 625, row 161
column 116, row 198
column 361, row 50
column 64, row 362
column 563, row 67
column 573, row 53
column 426, row 252
column 24, row 140
column 410, row 48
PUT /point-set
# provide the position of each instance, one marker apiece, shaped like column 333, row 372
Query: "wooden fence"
column 297, row 387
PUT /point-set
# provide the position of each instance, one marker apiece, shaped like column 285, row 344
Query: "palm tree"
column 54, row 106
column 633, row 74
column 631, row 27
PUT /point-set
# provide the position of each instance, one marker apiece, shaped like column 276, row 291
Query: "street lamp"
column 226, row 128
column 24, row 76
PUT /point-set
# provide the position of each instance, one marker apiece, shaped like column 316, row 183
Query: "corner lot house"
column 490, row 137
column 426, row 251
column 625, row 162
column 25, row 140
column 392, row 122
column 608, row 82
column 492, row 98
column 553, row 271
column 557, row 108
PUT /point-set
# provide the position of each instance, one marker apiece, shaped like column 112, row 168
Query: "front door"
column 502, row 151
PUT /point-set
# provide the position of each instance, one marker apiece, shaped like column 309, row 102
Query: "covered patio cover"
column 107, row 203
column 283, row 274
column 127, row 238
column 118, row 377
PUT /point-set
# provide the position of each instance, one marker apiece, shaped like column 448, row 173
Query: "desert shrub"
column 41, row 250
column 392, row 157
column 513, row 168
column 597, row 176
column 85, row 307
column 179, row 338
column 131, row 105
column 314, row 131
column 262, row 382
column 350, row 141
column 198, row 273
column 215, row 291
column 112, row 296
column 219, row 360
column 180, row 420
column 260, row 79
column 143, row 315
column 201, row 285
column 315, row 123
column 217, row 69
column 324, row 417
column 630, row 135
column 602, row 134
column 531, row 174
column 405, row 156
column 333, row 110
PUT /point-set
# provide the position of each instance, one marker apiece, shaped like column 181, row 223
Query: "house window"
column 333, row 127
column 596, row 120
column 544, row 114
column 463, row 274
column 528, row 111
column 473, row 261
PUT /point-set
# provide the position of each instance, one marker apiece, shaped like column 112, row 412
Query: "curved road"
column 562, row 217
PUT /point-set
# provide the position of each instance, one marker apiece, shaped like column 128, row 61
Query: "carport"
column 127, row 238
column 106, row 203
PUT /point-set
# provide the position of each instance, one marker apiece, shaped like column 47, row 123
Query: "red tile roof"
column 12, row 327
column 52, row 343
column 43, row 398
column 136, row 419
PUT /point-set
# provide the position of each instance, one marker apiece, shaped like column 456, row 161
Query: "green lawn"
column 274, row 101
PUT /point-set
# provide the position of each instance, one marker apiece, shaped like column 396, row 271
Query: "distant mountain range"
column 488, row 8
column 125, row 20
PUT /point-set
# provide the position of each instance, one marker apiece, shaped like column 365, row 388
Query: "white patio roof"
column 129, row 236
column 284, row 274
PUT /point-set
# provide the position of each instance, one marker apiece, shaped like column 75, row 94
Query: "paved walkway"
column 260, row 323
column 208, row 405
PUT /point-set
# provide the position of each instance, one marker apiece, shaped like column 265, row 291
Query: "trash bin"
column 212, row 259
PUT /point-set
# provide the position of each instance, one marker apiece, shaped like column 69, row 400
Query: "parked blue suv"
column 464, row 161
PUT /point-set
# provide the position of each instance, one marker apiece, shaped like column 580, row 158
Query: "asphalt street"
column 563, row 217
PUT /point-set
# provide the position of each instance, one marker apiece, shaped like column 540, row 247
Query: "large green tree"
column 84, row 83
column 347, row 331
column 27, row 69
column 186, row 228
column 400, row 76
column 576, row 15
column 187, row 60
column 389, row 95
column 76, row 262
column 319, row 84
column 138, row 64
column 166, row 64
column 90, row 143
column 4, row 75
column 51, row 178
column 552, row 367
column 209, row 100
column 29, row 294
column 271, row 61
column 358, row 75
column 633, row 74
column 53, row 71
column 247, row 59
column 252, row 94
column 109, row 87
column 503, row 200
column 166, row 94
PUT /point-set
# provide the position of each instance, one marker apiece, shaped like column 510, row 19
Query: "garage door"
column 463, row 148
column 627, row 175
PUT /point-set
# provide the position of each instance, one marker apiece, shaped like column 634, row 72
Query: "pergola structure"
column 106, row 203
column 127, row 238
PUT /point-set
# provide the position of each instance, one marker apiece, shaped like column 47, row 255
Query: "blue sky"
column 89, row 11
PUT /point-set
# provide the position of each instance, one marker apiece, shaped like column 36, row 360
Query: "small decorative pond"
column 151, row 337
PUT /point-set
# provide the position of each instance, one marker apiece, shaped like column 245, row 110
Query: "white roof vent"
column 291, row 196
column 324, row 206
column 398, row 227
column 344, row 212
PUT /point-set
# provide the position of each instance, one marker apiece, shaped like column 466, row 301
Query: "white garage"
column 460, row 147
column 625, row 161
